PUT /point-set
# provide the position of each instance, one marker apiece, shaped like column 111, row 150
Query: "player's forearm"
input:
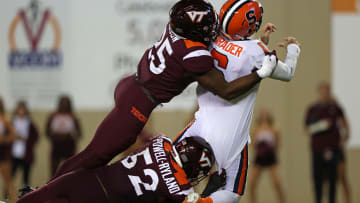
column 215, row 82
column 239, row 86
column 285, row 71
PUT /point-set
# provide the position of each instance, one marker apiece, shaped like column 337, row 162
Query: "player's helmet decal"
column 195, row 20
column 240, row 19
column 197, row 157
column 196, row 16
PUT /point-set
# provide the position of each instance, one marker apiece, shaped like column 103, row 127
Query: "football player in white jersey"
column 225, row 124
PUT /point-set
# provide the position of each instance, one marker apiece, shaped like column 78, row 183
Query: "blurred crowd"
column 19, row 135
column 325, row 123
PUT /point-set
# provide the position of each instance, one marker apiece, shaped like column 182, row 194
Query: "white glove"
column 267, row 67
column 193, row 197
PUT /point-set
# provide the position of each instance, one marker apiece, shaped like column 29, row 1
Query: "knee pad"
column 224, row 196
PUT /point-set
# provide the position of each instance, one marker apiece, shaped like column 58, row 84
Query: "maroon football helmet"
column 197, row 157
column 195, row 20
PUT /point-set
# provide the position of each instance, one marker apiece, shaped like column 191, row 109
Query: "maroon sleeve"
column 198, row 60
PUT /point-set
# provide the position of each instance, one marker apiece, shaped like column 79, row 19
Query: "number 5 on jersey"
column 164, row 46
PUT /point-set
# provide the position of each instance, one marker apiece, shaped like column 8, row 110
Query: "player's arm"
column 215, row 82
column 285, row 70
column 266, row 31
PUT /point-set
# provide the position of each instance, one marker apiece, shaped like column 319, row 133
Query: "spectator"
column 64, row 131
column 266, row 143
column 324, row 122
column 343, row 176
column 23, row 149
column 7, row 137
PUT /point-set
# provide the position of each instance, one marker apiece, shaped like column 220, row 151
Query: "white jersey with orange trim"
column 225, row 124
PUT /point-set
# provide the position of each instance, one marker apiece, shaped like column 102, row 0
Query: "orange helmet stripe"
column 225, row 8
column 229, row 13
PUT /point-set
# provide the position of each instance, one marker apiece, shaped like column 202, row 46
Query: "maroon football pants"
column 117, row 131
column 75, row 187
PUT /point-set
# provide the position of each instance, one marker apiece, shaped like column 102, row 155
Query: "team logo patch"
column 35, row 23
column 196, row 16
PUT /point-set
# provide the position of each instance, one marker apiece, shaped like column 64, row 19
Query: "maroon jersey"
column 330, row 137
column 169, row 66
column 148, row 175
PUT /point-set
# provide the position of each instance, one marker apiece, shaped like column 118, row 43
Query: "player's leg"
column 117, row 131
column 236, row 176
column 80, row 187
column 274, row 172
column 343, row 178
column 225, row 196
column 256, row 172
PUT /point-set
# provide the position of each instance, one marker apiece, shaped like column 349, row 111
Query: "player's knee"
column 225, row 196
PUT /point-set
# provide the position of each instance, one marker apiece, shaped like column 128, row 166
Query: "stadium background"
column 102, row 41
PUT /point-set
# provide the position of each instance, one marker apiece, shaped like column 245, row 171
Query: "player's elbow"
column 227, row 94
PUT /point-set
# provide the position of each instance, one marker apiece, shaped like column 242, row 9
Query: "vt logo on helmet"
column 195, row 20
column 239, row 19
column 199, row 15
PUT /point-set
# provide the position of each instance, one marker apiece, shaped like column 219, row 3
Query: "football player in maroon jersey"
column 157, row 172
column 179, row 58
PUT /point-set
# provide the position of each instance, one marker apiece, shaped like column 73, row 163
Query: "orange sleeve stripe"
column 189, row 44
column 263, row 47
column 243, row 172
column 186, row 127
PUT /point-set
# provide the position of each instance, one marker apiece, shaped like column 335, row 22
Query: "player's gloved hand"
column 216, row 181
column 268, row 66
column 194, row 197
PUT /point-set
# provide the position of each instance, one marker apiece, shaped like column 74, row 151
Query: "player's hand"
column 219, row 179
column 193, row 197
column 287, row 41
column 268, row 66
column 266, row 31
